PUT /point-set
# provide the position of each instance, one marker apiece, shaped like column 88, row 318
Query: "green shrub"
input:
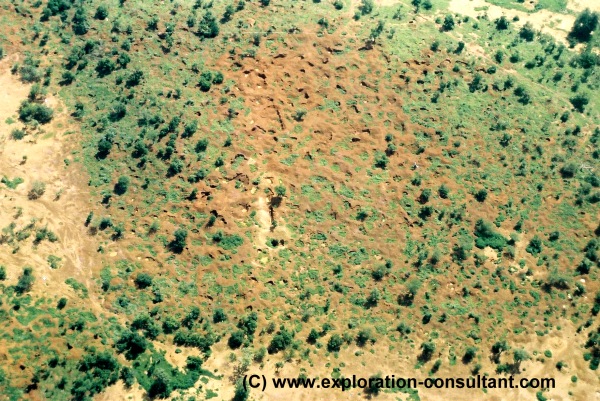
column 502, row 23
column 30, row 73
column 219, row 316
column 170, row 325
column 241, row 392
column 227, row 242
column 487, row 236
column 153, row 24
column 105, row 67
column 381, row 160
column 175, row 168
column 101, row 13
column 248, row 324
column 208, row 26
column 161, row 386
column 469, row 355
column 143, row 280
column 96, row 371
column 335, row 343
column 443, row 191
column 205, row 81
column 25, row 282
column 280, row 341
column 366, row 7
column 135, row 78
column 105, row 222
column 448, row 24
column 313, row 336
column 37, row 190
column 527, row 32
column 579, row 102
column 179, row 242
column 122, row 185
column 403, row 329
column 569, row 170
column 54, row 261
column 127, row 376
column 132, row 344
column 481, row 195
column 61, row 303
column 218, row 78
column 299, row 115
column 12, row 184
column 80, row 23
column 189, row 130
column 17, row 134
column 236, row 339
column 363, row 337
column 427, row 350
column 535, row 246
column 29, row 112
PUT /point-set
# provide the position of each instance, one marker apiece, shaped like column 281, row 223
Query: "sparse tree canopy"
column 274, row 177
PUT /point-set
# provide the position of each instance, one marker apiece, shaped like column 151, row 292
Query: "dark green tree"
column 80, row 23
column 132, row 344
column 161, row 386
column 502, row 23
column 469, row 355
column 105, row 67
column 179, row 242
column 241, row 392
column 579, row 101
column 25, row 282
column 143, row 280
column 122, row 185
column 206, row 79
column 427, row 350
column 208, row 27
column 527, row 32
column 335, row 343
column 449, row 23
column 219, row 316
column 236, row 339
column 29, row 112
column 229, row 11
column 101, row 12
column 280, row 341
column 585, row 23
column 313, row 336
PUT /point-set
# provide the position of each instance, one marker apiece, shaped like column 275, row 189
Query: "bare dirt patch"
column 557, row 25
column 40, row 156
column 580, row 5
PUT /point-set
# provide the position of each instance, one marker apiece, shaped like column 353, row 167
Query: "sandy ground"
column 579, row 5
column 62, row 208
column 557, row 25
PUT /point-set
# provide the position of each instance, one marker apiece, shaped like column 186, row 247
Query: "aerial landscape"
column 300, row 200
